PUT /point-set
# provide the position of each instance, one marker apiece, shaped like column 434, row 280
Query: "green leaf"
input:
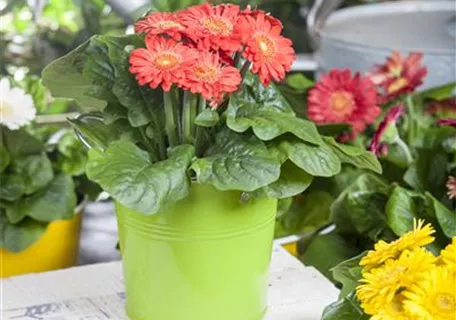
column 283, row 205
column 327, row 251
column 236, row 162
column 352, row 206
column 100, row 135
column 355, row 156
column 114, row 112
column 439, row 93
column 348, row 273
column 91, row 12
column 401, row 210
column 428, row 172
column 267, row 112
column 309, row 212
column 292, row 181
column 18, row 237
column 12, row 186
column 36, row 171
column 56, row 202
column 333, row 129
column 129, row 176
column 344, row 309
column 64, row 78
column 208, row 118
column 4, row 158
column 299, row 82
column 445, row 217
column 316, row 160
column 73, row 157
column 21, row 142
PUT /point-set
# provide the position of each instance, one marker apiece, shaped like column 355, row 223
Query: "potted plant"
column 43, row 187
column 195, row 144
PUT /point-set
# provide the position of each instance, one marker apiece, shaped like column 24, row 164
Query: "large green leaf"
column 56, row 202
column 267, row 112
column 355, row 156
column 36, row 171
column 318, row 161
column 22, row 142
column 344, row 309
column 100, row 135
column 445, row 217
column 65, row 79
column 348, row 274
column 18, row 237
column 308, row 213
column 292, row 181
column 351, row 209
column 299, row 82
column 327, row 251
column 127, row 173
column 401, row 211
column 439, row 93
column 4, row 158
column 12, row 186
column 237, row 162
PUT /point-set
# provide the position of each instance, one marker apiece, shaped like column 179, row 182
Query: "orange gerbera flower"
column 213, row 27
column 254, row 14
column 158, row 23
column 163, row 62
column 398, row 76
column 271, row 54
column 210, row 78
column 340, row 97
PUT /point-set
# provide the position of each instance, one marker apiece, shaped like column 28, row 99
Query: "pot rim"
column 379, row 9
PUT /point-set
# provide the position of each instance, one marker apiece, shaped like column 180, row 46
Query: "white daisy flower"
column 16, row 107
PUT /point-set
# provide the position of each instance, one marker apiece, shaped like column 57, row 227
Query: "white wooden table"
column 95, row 292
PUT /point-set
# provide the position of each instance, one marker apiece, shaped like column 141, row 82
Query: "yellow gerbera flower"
column 393, row 310
column 381, row 285
column 418, row 237
column 434, row 297
column 448, row 255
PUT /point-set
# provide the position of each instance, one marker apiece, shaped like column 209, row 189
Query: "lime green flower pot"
column 204, row 258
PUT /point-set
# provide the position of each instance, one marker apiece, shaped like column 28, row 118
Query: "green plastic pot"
column 204, row 258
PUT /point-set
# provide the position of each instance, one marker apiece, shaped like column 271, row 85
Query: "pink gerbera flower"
column 451, row 185
column 398, row 76
column 390, row 119
column 210, row 78
column 213, row 27
column 271, row 54
column 340, row 97
column 447, row 122
column 163, row 62
column 160, row 23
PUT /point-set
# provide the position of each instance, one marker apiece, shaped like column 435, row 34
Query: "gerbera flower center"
column 342, row 102
column 266, row 46
column 217, row 26
column 445, row 302
column 206, row 73
column 398, row 85
column 5, row 109
column 166, row 61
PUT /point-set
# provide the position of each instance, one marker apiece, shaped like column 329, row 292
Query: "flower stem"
column 413, row 129
column 244, row 69
column 170, row 115
column 148, row 145
column 237, row 59
column 189, row 115
column 199, row 135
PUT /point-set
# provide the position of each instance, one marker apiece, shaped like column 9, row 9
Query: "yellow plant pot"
column 56, row 249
